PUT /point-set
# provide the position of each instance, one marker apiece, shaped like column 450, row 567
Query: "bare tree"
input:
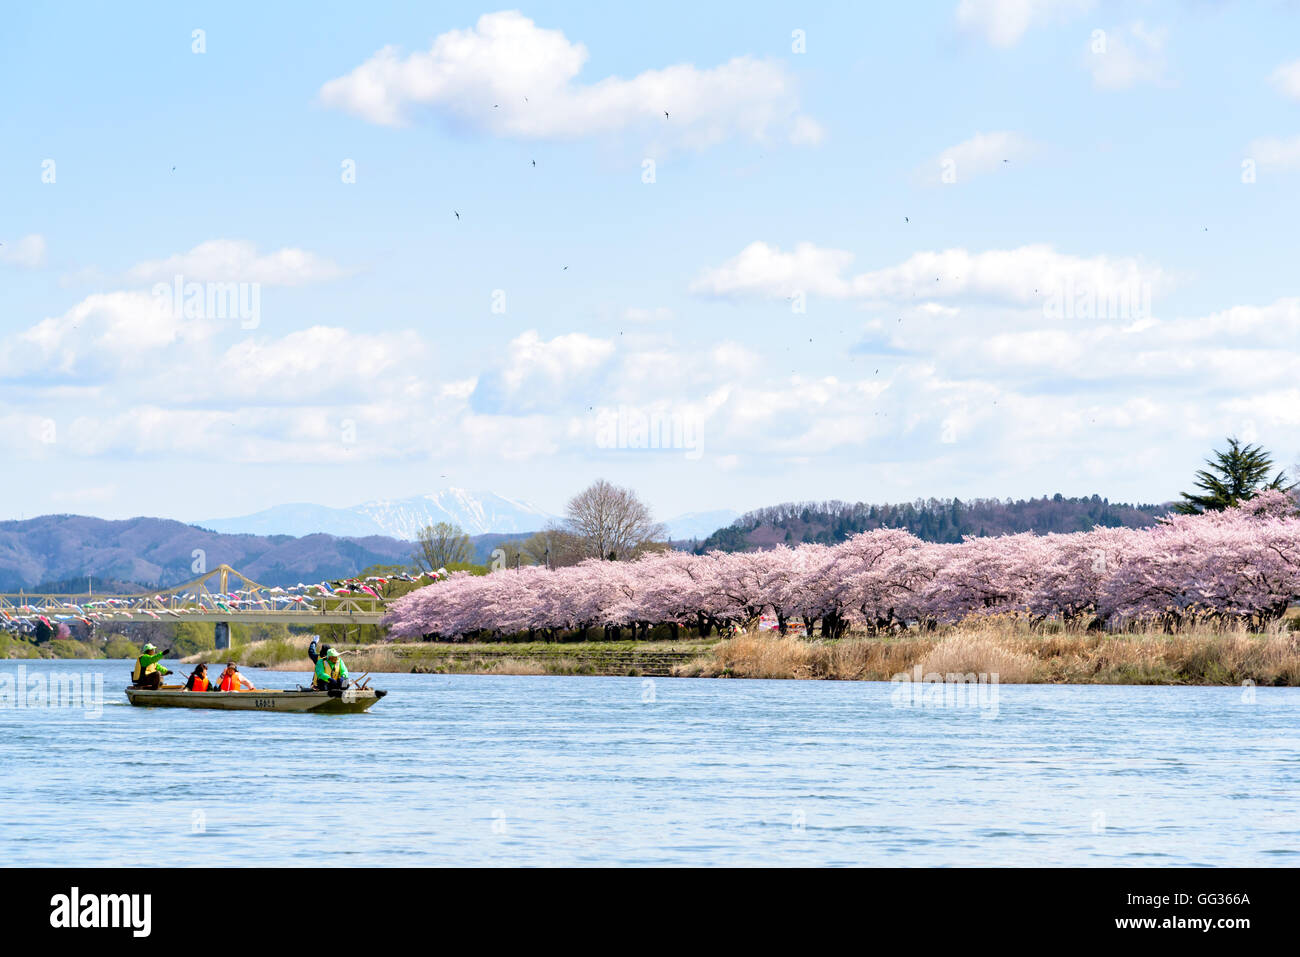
column 553, row 547
column 611, row 522
column 441, row 545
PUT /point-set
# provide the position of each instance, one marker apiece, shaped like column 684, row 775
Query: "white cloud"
column 1275, row 153
column 533, row 360
column 508, row 77
column 1127, row 57
column 1026, row 275
column 764, row 270
column 227, row 260
column 982, row 153
column 316, row 363
column 1286, row 79
column 538, row 373
column 459, row 389
column 28, row 252
column 101, row 335
column 1024, row 390
column 1277, row 408
column 1004, row 22
column 1244, row 348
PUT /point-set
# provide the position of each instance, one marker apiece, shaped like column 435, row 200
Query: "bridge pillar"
column 223, row 635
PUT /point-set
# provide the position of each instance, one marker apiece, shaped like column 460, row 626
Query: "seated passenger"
column 331, row 672
column 198, row 681
column 147, row 673
column 232, row 680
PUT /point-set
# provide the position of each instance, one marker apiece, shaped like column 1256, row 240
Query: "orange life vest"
column 230, row 681
column 200, row 684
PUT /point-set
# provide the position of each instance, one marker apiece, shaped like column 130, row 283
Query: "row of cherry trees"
column 1239, row 565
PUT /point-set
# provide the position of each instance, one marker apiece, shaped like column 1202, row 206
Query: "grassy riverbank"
column 1011, row 649
column 12, row 646
column 503, row 658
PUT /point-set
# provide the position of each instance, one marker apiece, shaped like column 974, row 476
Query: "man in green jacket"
column 148, row 673
column 331, row 672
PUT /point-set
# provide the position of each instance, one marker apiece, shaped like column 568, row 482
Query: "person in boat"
column 317, row 649
column 232, row 680
column 198, row 681
column 331, row 672
column 147, row 672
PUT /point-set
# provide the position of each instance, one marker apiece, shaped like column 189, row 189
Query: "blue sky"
column 844, row 279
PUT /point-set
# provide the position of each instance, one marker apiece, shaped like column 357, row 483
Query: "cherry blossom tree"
column 1237, row 565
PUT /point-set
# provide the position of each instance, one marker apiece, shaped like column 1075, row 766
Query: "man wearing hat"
column 147, row 672
column 331, row 672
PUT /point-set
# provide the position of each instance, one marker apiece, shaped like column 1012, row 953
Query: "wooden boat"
column 349, row 701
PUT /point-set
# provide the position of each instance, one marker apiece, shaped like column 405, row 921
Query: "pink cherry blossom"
column 1242, row 565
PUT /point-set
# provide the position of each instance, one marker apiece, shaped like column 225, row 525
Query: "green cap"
column 333, row 653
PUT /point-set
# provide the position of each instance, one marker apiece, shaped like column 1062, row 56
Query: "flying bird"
column 665, row 114
column 457, row 213
column 906, row 220
column 534, row 162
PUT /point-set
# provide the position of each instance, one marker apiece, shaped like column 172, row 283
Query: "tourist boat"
column 348, row 701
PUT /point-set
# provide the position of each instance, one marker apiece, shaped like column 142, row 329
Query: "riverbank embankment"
column 1014, row 651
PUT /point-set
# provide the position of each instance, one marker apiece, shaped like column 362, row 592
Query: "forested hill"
column 934, row 520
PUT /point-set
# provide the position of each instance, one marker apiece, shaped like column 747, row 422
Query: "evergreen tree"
column 1234, row 475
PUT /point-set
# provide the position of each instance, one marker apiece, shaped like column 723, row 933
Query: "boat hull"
column 351, row 701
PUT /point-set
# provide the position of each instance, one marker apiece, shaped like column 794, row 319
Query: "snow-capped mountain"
column 699, row 524
column 477, row 512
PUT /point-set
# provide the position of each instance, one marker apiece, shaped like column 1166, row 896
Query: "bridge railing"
column 213, row 595
column 115, row 606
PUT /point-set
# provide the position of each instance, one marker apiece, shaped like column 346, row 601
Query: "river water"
column 479, row 770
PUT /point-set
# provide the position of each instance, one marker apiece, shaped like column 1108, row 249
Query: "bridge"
column 211, row 598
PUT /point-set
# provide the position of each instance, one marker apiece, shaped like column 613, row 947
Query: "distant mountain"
column 159, row 553
column 88, row 585
column 297, row 519
column 477, row 512
column 694, row 525
column 933, row 520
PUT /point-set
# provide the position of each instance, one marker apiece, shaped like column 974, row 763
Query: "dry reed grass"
column 514, row 666
column 1018, row 653
column 981, row 653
